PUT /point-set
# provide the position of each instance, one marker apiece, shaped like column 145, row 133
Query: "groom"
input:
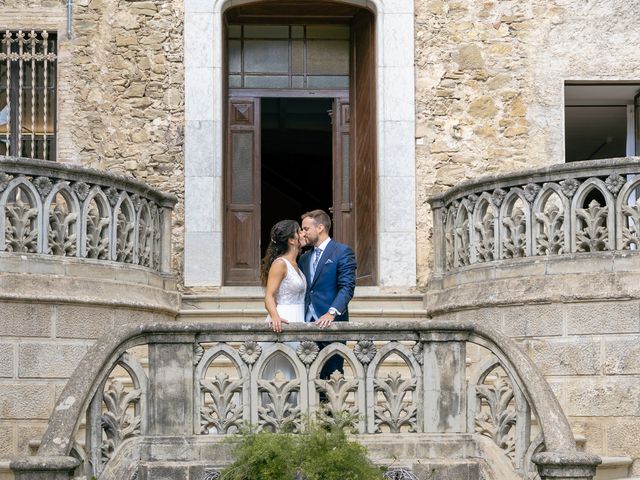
column 330, row 268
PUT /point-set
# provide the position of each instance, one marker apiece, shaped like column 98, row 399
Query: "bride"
column 285, row 287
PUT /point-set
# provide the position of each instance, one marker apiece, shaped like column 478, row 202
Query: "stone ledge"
column 537, row 280
column 68, row 280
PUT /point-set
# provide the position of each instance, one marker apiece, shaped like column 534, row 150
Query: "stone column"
column 566, row 465
column 445, row 406
column 44, row 468
column 165, row 240
column 170, row 409
column 439, row 241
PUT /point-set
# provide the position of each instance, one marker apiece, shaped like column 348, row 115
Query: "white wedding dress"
column 290, row 306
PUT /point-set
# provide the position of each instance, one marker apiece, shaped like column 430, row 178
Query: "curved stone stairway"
column 236, row 304
column 242, row 304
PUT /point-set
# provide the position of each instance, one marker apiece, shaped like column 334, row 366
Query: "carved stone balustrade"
column 404, row 382
column 63, row 210
column 566, row 233
column 576, row 207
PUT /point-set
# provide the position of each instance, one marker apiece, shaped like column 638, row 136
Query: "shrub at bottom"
column 316, row 454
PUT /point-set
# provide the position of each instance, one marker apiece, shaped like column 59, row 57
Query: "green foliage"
column 316, row 454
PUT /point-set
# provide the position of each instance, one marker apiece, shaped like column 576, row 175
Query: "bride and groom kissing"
column 315, row 287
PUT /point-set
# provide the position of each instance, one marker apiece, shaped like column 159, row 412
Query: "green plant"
column 318, row 453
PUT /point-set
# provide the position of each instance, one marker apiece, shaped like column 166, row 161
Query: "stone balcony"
column 567, row 232
column 102, row 237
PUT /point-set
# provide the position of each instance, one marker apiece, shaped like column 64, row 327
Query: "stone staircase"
column 244, row 304
column 241, row 304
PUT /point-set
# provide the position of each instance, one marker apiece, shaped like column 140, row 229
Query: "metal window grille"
column 28, row 63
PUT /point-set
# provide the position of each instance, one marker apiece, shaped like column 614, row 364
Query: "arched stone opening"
column 207, row 87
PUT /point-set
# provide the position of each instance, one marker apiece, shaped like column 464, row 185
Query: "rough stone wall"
column 120, row 88
column 489, row 85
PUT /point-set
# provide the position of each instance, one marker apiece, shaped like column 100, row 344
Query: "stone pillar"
column 170, row 409
column 439, row 241
column 165, row 240
column 445, row 406
column 44, row 468
column 566, row 465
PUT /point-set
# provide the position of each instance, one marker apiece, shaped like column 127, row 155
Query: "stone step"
column 613, row 468
column 253, row 299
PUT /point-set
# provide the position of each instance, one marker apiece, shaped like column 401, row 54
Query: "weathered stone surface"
column 623, row 437
column 75, row 321
column 160, row 471
column 605, row 317
column 604, row 396
column 48, row 360
column 593, row 431
column 25, row 320
column 6, row 360
column 28, row 432
column 491, row 317
column 533, row 320
column 6, row 440
column 566, row 356
column 483, row 107
column 450, row 470
column 622, row 356
column 25, row 401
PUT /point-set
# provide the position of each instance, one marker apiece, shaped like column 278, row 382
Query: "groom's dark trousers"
column 332, row 285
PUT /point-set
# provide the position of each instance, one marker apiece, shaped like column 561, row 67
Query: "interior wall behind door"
column 296, row 167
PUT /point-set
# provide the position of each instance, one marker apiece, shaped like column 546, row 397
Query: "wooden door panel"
column 363, row 142
column 242, row 193
column 342, row 173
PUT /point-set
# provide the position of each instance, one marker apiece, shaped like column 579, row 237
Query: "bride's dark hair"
column 281, row 232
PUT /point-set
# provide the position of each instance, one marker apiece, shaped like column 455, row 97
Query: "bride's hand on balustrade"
column 276, row 324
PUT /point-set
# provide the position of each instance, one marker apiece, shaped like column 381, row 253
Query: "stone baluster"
column 171, row 389
column 445, row 382
column 566, row 465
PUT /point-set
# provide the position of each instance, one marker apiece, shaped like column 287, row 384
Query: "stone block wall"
column 40, row 347
column 48, row 322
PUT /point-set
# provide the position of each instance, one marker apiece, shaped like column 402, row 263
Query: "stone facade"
column 489, row 80
column 489, row 85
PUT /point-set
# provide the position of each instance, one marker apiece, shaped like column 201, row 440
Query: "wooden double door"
column 342, row 181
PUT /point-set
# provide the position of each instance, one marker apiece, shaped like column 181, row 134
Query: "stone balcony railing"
column 572, row 208
column 62, row 210
column 204, row 380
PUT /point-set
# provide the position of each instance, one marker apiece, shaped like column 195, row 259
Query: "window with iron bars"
column 28, row 61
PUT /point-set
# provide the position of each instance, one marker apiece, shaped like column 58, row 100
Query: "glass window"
column 288, row 56
column 270, row 56
column 328, row 57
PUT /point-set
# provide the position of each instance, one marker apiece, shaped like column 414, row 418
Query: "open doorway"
column 296, row 167
column 600, row 120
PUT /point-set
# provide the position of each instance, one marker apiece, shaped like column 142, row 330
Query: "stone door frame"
column 204, row 130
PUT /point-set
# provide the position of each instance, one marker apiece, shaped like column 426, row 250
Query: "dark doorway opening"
column 296, row 163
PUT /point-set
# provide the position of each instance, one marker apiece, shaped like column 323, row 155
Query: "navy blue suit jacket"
column 334, row 281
